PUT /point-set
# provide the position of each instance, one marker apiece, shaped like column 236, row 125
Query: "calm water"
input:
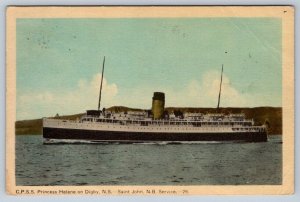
column 148, row 164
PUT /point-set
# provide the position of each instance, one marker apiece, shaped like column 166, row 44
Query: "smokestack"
column 158, row 105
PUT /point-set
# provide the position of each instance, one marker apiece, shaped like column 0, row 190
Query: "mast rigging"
column 101, row 84
column 220, row 88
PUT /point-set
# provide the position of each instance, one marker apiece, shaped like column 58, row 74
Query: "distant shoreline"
column 260, row 114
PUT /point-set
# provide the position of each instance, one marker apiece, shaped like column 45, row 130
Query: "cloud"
column 201, row 93
column 206, row 93
column 85, row 96
column 197, row 93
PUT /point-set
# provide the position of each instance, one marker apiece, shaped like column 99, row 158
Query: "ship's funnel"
column 158, row 105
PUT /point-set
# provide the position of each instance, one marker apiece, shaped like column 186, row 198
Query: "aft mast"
column 101, row 84
column 220, row 88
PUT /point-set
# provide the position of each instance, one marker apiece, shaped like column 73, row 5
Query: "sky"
column 59, row 63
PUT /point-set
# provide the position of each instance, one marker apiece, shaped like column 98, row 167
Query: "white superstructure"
column 139, row 122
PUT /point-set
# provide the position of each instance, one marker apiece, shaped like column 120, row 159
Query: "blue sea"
column 148, row 164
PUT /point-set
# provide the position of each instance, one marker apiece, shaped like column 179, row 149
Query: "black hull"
column 113, row 136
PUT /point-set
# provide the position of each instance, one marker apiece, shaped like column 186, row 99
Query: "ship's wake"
column 66, row 141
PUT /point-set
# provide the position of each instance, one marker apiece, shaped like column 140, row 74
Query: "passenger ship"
column 155, row 125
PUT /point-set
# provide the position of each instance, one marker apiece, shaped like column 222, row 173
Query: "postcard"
column 150, row 100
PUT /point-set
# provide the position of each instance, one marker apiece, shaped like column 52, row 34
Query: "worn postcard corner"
column 138, row 100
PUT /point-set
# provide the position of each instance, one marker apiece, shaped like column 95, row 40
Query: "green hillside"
column 34, row 126
column 260, row 114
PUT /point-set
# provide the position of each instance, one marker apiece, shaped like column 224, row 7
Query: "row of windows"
column 247, row 129
column 146, row 123
column 172, row 128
